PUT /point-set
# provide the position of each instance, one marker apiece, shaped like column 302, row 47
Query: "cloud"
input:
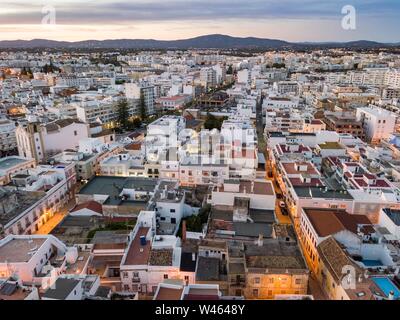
column 295, row 20
column 123, row 12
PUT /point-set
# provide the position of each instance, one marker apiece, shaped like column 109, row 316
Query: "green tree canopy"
column 213, row 122
column 142, row 107
column 123, row 114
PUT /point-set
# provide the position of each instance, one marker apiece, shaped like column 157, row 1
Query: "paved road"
column 259, row 120
column 56, row 219
column 51, row 223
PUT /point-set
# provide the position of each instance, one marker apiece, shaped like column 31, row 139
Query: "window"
column 75, row 133
column 271, row 280
column 256, row 280
column 165, row 276
column 136, row 274
column 125, row 275
column 172, row 210
column 186, row 278
column 298, row 281
column 255, row 292
column 126, row 287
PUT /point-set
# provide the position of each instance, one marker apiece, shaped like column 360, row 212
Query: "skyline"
column 154, row 19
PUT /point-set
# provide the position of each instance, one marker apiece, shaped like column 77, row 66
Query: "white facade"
column 8, row 140
column 378, row 123
column 35, row 252
column 38, row 141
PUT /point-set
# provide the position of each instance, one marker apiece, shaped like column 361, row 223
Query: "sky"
column 291, row 20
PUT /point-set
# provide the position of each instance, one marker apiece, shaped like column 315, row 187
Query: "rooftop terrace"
column 138, row 254
column 317, row 192
column 9, row 162
column 19, row 250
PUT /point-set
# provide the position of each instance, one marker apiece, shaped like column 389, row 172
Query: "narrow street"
column 55, row 220
column 315, row 289
column 52, row 223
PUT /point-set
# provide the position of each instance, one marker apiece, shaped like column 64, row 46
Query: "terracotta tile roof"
column 329, row 222
column 294, row 168
column 334, row 258
column 134, row 146
column 169, row 293
column 91, row 205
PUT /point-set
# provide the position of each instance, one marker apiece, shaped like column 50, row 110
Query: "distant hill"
column 217, row 41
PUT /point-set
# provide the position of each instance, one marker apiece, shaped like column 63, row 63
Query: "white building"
column 134, row 91
column 28, row 256
column 208, row 77
column 392, row 78
column 243, row 76
column 8, row 140
column 151, row 259
column 12, row 165
column 378, row 123
column 38, row 141
column 260, row 193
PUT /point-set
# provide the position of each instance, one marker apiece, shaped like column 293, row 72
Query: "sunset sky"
column 292, row 20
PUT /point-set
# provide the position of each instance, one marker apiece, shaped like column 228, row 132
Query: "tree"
column 50, row 68
column 123, row 114
column 142, row 107
column 136, row 123
column 195, row 223
column 230, row 69
column 213, row 122
column 278, row 65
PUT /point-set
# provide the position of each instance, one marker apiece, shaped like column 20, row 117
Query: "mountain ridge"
column 215, row 41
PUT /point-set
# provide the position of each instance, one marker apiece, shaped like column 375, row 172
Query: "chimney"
column 260, row 240
column 183, row 230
